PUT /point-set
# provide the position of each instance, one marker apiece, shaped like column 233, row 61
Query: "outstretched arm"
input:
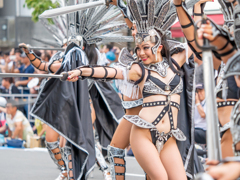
column 37, row 62
column 104, row 73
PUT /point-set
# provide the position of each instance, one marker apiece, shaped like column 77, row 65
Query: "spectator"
column 111, row 57
column 9, row 87
column 116, row 51
column 40, row 127
column 8, row 62
column 200, row 115
column 17, row 123
column 107, row 48
column 3, row 103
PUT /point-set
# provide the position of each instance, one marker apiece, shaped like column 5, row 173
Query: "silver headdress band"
column 151, row 16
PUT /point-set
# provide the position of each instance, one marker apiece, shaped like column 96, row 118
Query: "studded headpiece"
column 151, row 16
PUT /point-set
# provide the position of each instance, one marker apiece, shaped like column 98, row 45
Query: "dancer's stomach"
column 149, row 114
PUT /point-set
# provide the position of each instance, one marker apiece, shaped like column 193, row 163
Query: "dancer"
column 117, row 146
column 114, row 111
column 224, row 108
column 230, row 163
column 137, row 72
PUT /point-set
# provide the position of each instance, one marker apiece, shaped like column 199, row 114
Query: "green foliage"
column 39, row 7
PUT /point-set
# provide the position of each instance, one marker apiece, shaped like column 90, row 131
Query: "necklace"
column 160, row 67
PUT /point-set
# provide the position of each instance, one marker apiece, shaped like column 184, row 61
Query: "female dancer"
column 222, row 171
column 224, row 107
column 118, row 144
column 155, row 85
column 94, row 57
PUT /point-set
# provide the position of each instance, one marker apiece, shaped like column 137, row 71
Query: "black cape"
column 108, row 108
column 191, row 161
column 64, row 106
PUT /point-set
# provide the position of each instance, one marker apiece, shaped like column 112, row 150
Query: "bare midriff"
column 149, row 114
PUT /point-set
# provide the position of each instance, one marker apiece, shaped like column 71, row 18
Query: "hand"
column 205, row 31
column 73, row 75
column 211, row 163
column 196, row 98
column 225, row 171
column 8, row 60
column 24, row 47
column 17, row 83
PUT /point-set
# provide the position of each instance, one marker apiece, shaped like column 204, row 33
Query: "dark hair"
column 47, row 56
column 17, row 50
column 91, row 53
column 38, row 53
column 8, row 79
column 166, row 53
column 109, row 46
column 7, row 53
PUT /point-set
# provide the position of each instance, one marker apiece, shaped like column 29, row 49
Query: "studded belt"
column 226, row 103
column 166, row 109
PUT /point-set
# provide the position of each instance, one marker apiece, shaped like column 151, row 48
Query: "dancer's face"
column 144, row 52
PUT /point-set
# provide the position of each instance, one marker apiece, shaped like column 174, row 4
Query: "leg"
column 119, row 142
column 52, row 144
column 226, row 144
column 146, row 153
column 68, row 161
column 172, row 161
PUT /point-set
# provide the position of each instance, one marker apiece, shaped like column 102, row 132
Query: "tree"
column 39, row 7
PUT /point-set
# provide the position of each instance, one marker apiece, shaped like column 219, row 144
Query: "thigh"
column 51, row 135
column 121, row 136
column 172, row 161
column 226, row 144
column 146, row 153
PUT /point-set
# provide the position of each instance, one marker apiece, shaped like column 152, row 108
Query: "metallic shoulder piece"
column 132, row 104
column 160, row 67
column 232, row 67
column 125, row 58
column 235, row 127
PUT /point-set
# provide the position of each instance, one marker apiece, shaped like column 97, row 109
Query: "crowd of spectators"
column 15, row 122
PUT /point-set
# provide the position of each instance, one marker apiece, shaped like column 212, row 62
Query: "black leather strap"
column 143, row 74
column 180, row 5
column 197, row 14
column 224, row 46
column 228, row 52
column 186, row 26
column 92, row 72
column 106, row 73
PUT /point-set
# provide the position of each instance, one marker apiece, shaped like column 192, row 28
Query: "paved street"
column 36, row 164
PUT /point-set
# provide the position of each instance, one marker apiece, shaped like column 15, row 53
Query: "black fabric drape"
column 64, row 106
column 108, row 108
column 186, row 121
